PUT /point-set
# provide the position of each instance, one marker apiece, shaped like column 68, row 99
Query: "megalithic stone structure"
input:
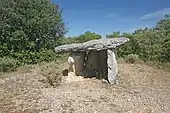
column 95, row 57
column 112, row 65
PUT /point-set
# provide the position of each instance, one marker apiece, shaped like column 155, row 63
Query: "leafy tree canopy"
column 113, row 35
column 29, row 25
column 88, row 36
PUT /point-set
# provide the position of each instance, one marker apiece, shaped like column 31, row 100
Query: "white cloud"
column 159, row 13
column 117, row 17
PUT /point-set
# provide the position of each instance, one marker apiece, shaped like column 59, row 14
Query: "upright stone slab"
column 92, row 61
column 103, row 63
column 79, row 62
column 112, row 66
column 96, row 62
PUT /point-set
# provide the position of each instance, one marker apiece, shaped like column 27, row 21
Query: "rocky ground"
column 139, row 89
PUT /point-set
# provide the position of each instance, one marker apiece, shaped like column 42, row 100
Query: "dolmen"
column 95, row 58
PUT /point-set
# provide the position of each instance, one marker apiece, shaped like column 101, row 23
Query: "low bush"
column 52, row 72
column 8, row 64
column 131, row 58
column 47, row 55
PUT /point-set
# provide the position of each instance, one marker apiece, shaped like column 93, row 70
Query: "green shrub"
column 131, row 58
column 8, row 64
column 25, row 57
column 47, row 55
column 28, row 57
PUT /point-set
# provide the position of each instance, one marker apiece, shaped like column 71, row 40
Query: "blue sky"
column 107, row 16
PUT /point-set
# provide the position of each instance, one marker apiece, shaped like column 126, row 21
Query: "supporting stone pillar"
column 112, row 66
column 79, row 62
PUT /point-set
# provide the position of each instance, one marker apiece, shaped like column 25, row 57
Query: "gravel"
column 137, row 91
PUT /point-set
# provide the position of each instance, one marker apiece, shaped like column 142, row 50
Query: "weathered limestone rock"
column 112, row 66
column 97, row 45
column 103, row 63
column 97, row 62
column 79, row 62
column 92, row 61
column 91, row 64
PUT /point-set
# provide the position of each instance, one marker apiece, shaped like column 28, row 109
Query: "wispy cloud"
column 117, row 17
column 156, row 14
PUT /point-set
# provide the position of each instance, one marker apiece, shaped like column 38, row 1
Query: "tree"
column 87, row 36
column 29, row 25
column 151, row 44
column 113, row 35
column 128, row 35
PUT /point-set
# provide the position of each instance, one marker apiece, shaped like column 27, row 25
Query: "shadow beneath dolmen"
column 87, row 73
column 65, row 72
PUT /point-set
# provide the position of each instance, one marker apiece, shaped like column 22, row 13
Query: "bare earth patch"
column 140, row 89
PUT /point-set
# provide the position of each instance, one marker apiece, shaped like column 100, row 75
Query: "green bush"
column 8, row 64
column 25, row 57
column 28, row 57
column 47, row 55
column 131, row 58
column 151, row 44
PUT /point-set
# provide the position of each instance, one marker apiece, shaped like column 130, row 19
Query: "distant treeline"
column 150, row 44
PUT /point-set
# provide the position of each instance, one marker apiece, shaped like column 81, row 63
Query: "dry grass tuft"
column 52, row 72
column 132, row 58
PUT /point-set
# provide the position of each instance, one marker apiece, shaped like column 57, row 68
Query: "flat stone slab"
column 100, row 44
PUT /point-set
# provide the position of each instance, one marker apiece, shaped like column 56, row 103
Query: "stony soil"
column 140, row 89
